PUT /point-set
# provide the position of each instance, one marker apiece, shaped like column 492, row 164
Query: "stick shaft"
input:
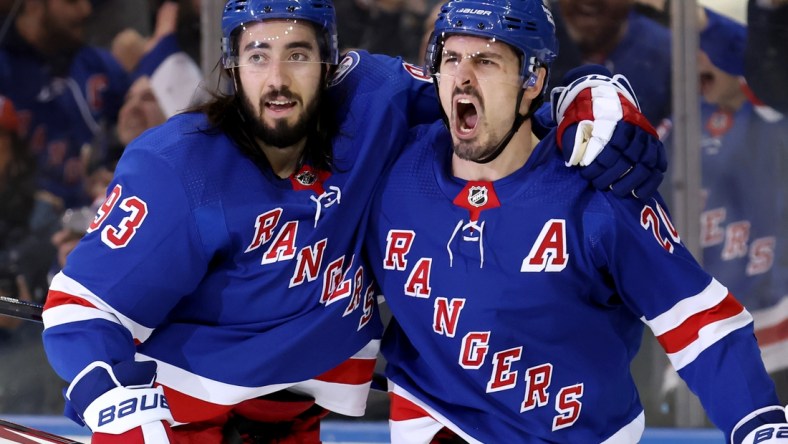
column 28, row 311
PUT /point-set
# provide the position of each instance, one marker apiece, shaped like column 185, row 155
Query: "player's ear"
column 534, row 83
column 533, row 88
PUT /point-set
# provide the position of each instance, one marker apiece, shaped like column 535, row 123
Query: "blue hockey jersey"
column 519, row 305
column 235, row 282
column 744, row 222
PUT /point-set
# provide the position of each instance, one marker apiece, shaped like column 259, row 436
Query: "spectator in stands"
column 24, row 250
column 109, row 16
column 612, row 33
column 391, row 27
column 24, row 256
column 139, row 112
column 68, row 94
column 744, row 220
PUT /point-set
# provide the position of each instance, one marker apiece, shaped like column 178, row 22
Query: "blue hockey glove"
column 120, row 404
column 768, row 425
column 601, row 128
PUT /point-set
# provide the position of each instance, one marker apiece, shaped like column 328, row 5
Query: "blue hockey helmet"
column 238, row 13
column 525, row 25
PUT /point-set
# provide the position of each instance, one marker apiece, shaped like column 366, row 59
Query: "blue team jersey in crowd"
column 643, row 56
column 67, row 104
column 235, row 282
column 519, row 305
column 744, row 222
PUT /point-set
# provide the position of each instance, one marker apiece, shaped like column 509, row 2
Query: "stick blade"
column 19, row 434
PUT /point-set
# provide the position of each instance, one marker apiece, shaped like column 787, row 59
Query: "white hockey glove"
column 601, row 128
column 120, row 404
column 768, row 425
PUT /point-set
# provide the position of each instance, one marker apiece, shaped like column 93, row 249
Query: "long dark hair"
column 225, row 113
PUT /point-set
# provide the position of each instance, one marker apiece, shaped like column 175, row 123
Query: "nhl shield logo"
column 306, row 178
column 477, row 196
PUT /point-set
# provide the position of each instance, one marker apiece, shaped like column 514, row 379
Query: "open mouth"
column 280, row 106
column 706, row 81
column 467, row 117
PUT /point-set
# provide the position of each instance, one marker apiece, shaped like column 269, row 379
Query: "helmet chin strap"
column 518, row 121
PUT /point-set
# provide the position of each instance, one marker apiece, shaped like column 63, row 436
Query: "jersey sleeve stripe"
column 688, row 332
column 66, row 314
column 708, row 336
column 698, row 322
column 58, row 298
column 66, row 292
column 674, row 317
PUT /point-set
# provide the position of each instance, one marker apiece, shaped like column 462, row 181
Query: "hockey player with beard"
column 519, row 293
column 221, row 287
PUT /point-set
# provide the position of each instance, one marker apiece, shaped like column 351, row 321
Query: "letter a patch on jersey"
column 549, row 250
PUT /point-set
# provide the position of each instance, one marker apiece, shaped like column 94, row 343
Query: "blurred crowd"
column 80, row 79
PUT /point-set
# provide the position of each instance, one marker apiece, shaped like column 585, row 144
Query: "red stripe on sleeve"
column 58, row 298
column 686, row 333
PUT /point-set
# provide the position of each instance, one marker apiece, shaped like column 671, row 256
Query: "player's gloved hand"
column 601, row 128
column 768, row 425
column 120, row 404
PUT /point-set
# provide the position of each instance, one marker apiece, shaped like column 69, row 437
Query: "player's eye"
column 257, row 58
column 299, row 57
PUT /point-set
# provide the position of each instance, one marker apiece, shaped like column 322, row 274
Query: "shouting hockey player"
column 221, row 286
column 519, row 293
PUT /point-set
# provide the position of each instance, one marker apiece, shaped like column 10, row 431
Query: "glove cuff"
column 122, row 409
column 115, row 399
column 563, row 96
column 773, row 414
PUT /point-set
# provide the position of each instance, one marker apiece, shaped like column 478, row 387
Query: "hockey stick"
column 10, row 432
column 28, row 311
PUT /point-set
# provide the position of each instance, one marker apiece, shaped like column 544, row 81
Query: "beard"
column 472, row 150
column 281, row 134
column 61, row 37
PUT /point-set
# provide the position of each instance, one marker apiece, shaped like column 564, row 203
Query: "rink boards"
column 341, row 432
